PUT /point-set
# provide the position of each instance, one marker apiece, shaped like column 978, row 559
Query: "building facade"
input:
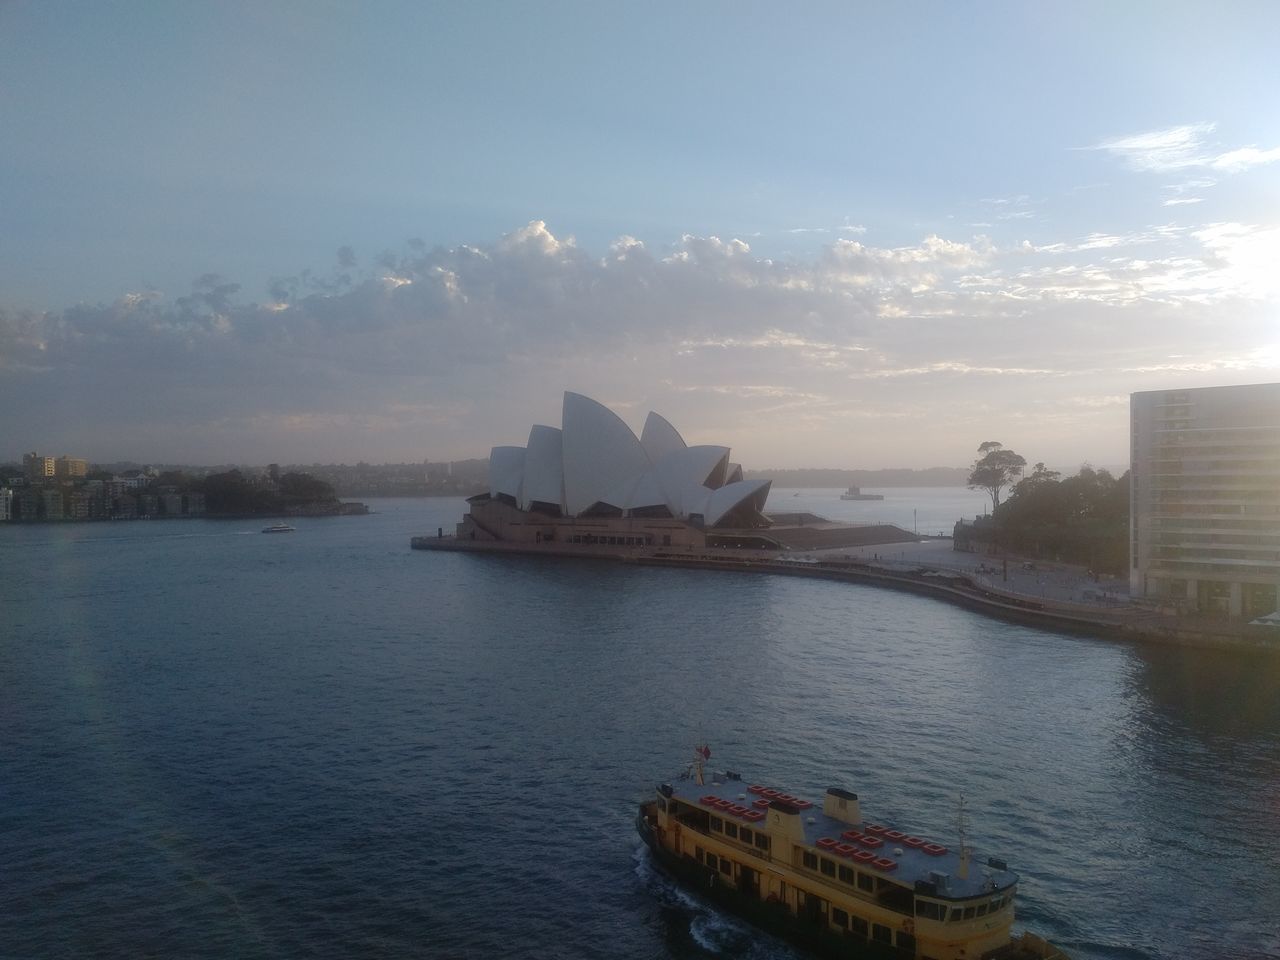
column 37, row 467
column 1204, row 521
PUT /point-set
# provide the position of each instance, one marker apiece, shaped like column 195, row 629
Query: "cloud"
column 1184, row 148
column 427, row 353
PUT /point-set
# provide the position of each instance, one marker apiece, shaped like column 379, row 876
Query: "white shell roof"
column 600, row 453
column 543, row 468
column 596, row 458
column 506, row 471
column 659, row 437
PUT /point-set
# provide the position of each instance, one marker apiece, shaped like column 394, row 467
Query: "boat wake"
column 714, row 932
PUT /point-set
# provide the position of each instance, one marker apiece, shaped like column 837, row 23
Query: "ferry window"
column 697, row 854
column 866, row 882
column 662, row 804
column 744, row 835
column 726, row 865
column 881, row 933
column 846, row 875
column 810, row 860
column 839, row 917
column 717, row 824
column 730, row 829
column 907, row 943
column 828, row 867
column 956, row 914
column 982, row 909
column 968, row 913
column 762, row 841
column 711, row 860
column 858, row 926
column 930, row 911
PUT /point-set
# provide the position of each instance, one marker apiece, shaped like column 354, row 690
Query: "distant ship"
column 278, row 527
column 853, row 493
column 829, row 880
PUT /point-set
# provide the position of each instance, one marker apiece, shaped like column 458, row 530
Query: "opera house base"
column 494, row 525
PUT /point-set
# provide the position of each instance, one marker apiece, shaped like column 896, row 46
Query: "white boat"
column 853, row 493
column 278, row 527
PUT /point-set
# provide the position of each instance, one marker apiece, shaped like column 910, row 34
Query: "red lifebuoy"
column 913, row 842
column 826, row 842
column 864, row 856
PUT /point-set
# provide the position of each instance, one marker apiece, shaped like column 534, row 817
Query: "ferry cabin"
column 845, row 886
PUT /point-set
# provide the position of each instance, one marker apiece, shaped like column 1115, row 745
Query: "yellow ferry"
column 828, row 879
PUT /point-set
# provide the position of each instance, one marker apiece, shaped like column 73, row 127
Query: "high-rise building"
column 69, row 467
column 37, row 467
column 1204, row 521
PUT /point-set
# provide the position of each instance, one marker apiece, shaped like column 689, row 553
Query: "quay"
column 1051, row 596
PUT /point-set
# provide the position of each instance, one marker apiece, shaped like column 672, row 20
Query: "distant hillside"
column 933, row 477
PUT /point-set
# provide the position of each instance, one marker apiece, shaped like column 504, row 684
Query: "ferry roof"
column 914, row 863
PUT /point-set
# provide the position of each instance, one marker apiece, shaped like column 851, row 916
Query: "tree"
column 995, row 469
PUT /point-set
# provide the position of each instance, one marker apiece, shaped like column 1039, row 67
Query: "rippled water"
column 217, row 743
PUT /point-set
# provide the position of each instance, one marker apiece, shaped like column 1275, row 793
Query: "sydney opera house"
column 592, row 482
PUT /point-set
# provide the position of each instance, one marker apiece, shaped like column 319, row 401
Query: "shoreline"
column 1125, row 622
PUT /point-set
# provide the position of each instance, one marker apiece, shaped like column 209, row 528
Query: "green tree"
column 995, row 469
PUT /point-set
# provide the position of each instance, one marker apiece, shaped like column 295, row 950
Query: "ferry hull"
column 773, row 918
column 813, row 936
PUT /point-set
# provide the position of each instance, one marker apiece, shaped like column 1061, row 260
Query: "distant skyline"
column 827, row 235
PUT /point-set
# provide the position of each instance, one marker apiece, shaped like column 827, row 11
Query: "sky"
column 825, row 234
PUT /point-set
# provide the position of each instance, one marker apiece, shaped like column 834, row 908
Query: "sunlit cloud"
column 707, row 331
column 1182, row 148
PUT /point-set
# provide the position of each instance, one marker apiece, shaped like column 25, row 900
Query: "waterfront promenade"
column 1050, row 595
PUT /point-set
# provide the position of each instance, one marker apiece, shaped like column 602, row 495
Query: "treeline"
column 1082, row 519
column 233, row 493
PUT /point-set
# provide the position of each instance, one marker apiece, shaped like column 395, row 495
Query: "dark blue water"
column 217, row 743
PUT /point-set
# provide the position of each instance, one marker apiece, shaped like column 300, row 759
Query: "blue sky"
column 828, row 234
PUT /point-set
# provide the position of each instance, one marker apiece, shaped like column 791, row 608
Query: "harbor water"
column 216, row 743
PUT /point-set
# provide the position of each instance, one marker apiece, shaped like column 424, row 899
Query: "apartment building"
column 1205, row 501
